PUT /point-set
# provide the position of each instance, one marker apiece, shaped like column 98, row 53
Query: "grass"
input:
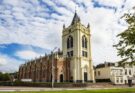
column 128, row 90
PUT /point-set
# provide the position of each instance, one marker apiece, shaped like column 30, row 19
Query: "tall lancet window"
column 84, row 41
column 70, row 42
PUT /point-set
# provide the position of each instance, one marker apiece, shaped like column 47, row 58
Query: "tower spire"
column 76, row 18
column 75, row 9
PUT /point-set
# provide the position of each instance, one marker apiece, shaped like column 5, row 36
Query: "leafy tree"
column 4, row 77
column 1, row 76
column 126, row 44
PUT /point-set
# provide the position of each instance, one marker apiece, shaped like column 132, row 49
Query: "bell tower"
column 76, row 45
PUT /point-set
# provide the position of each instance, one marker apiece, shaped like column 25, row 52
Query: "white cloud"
column 11, row 2
column 3, row 61
column 113, row 3
column 8, row 64
column 34, row 24
column 27, row 54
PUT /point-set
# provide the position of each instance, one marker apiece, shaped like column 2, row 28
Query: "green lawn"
column 131, row 90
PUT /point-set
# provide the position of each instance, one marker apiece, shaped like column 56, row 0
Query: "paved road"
column 2, row 89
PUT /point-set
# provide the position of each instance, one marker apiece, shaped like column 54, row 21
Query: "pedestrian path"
column 2, row 89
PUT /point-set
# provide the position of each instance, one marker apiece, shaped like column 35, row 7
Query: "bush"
column 43, row 84
column 5, row 83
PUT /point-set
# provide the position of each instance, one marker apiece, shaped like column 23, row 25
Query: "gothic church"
column 72, row 64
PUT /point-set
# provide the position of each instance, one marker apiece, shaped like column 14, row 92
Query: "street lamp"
column 53, row 67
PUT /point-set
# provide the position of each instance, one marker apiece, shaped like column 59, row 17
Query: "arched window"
column 84, row 41
column 70, row 42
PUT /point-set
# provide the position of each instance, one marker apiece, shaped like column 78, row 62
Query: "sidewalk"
column 8, row 88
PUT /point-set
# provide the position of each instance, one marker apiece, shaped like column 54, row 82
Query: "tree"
column 1, row 76
column 126, row 44
column 4, row 77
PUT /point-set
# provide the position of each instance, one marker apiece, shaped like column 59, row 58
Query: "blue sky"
column 32, row 28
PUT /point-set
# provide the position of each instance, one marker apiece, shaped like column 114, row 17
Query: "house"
column 110, row 72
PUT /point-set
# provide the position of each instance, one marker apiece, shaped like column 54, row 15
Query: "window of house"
column 120, row 72
column 70, row 42
column 70, row 53
column 69, row 30
column 117, row 80
column 84, row 54
column 84, row 41
column 125, row 71
column 98, row 73
column 121, row 80
column 129, row 72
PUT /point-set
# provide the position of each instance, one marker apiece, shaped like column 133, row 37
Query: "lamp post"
column 53, row 67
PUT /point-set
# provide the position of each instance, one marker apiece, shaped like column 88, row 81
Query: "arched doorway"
column 85, row 76
column 61, row 77
column 51, row 78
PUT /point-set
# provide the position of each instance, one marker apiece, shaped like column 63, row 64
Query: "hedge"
column 43, row 84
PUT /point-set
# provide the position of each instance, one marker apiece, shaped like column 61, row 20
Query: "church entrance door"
column 85, row 76
column 61, row 78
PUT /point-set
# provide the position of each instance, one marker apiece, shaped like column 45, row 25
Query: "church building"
column 72, row 64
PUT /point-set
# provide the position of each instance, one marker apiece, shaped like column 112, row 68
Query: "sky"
column 32, row 28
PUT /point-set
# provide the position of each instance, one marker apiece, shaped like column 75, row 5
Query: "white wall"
column 117, row 75
column 104, row 73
